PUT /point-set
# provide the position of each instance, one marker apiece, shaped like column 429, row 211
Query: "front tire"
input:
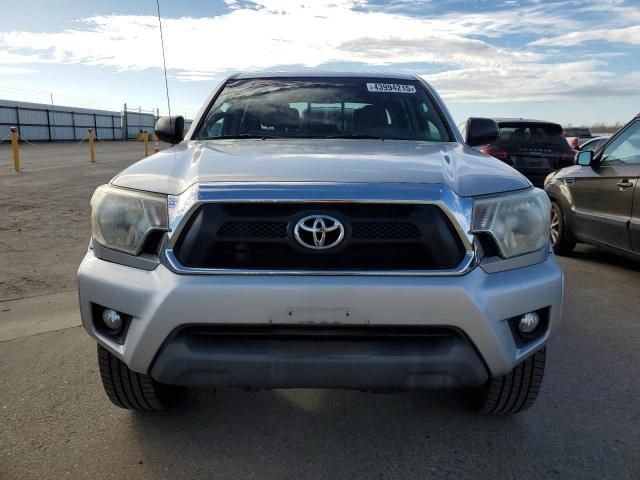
column 514, row 392
column 561, row 239
column 132, row 390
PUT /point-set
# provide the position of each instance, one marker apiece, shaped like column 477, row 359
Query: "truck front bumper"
column 459, row 333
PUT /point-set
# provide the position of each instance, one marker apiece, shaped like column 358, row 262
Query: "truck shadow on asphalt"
column 284, row 433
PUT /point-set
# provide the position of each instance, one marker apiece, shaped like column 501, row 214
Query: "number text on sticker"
column 390, row 88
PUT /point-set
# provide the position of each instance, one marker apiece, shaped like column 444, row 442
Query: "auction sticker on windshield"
column 390, row 87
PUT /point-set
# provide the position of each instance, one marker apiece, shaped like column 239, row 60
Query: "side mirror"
column 481, row 131
column 170, row 129
column 584, row 158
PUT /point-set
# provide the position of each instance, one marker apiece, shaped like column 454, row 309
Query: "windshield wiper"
column 264, row 137
column 241, row 135
column 363, row 136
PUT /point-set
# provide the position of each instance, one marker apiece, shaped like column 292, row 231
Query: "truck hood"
column 464, row 170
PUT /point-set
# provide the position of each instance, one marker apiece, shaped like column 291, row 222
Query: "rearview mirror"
column 170, row 129
column 584, row 158
column 481, row 131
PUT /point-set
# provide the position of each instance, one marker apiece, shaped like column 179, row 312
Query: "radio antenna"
column 164, row 61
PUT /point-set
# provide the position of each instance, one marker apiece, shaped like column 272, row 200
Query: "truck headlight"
column 518, row 222
column 122, row 219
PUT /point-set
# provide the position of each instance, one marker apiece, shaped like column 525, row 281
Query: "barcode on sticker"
column 390, row 88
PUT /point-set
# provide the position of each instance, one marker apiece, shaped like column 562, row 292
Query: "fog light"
column 528, row 322
column 112, row 319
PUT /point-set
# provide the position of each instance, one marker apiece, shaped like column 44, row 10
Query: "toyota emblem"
column 319, row 232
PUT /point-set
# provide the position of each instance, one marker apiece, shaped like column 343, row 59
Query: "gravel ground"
column 56, row 422
column 45, row 212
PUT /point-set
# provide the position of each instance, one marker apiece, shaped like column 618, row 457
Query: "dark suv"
column 535, row 148
column 597, row 200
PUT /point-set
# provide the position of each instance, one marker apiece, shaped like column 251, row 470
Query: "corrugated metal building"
column 41, row 121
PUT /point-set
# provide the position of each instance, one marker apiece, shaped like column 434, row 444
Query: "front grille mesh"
column 253, row 230
column 377, row 237
column 384, row 231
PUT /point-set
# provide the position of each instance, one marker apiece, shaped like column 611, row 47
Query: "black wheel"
column 131, row 390
column 560, row 236
column 514, row 392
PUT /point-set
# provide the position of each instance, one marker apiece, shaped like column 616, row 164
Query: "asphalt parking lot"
column 56, row 422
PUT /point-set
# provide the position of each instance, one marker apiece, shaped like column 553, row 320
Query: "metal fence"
column 38, row 121
column 138, row 120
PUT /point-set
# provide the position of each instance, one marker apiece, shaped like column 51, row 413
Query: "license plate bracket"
column 313, row 316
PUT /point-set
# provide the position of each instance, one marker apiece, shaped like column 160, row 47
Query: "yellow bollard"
column 14, row 147
column 92, row 149
column 146, row 144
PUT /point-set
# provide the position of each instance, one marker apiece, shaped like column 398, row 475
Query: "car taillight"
column 496, row 152
column 574, row 143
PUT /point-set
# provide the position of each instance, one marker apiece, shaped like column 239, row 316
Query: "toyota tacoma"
column 321, row 230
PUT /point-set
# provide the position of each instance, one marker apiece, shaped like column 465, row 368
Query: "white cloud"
column 429, row 49
column 628, row 35
column 526, row 82
column 532, row 83
column 616, row 12
column 277, row 34
column 7, row 58
column 15, row 70
column 543, row 19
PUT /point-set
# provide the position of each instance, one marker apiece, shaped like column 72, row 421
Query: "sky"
column 575, row 62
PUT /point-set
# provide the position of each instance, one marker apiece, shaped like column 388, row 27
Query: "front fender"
column 560, row 193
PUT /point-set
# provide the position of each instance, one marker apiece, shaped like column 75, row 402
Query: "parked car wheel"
column 132, row 390
column 514, row 392
column 560, row 237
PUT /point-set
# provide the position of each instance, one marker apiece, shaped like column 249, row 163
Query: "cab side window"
column 216, row 120
column 431, row 124
column 215, row 130
column 625, row 149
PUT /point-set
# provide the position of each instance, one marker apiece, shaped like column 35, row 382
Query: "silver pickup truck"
column 321, row 231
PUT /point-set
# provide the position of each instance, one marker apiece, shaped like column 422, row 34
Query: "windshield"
column 577, row 132
column 532, row 135
column 625, row 149
column 324, row 108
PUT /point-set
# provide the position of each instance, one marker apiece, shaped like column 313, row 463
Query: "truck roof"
column 324, row 74
column 520, row 120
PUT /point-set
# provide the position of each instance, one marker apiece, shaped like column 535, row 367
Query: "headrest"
column 322, row 121
column 371, row 116
column 278, row 116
